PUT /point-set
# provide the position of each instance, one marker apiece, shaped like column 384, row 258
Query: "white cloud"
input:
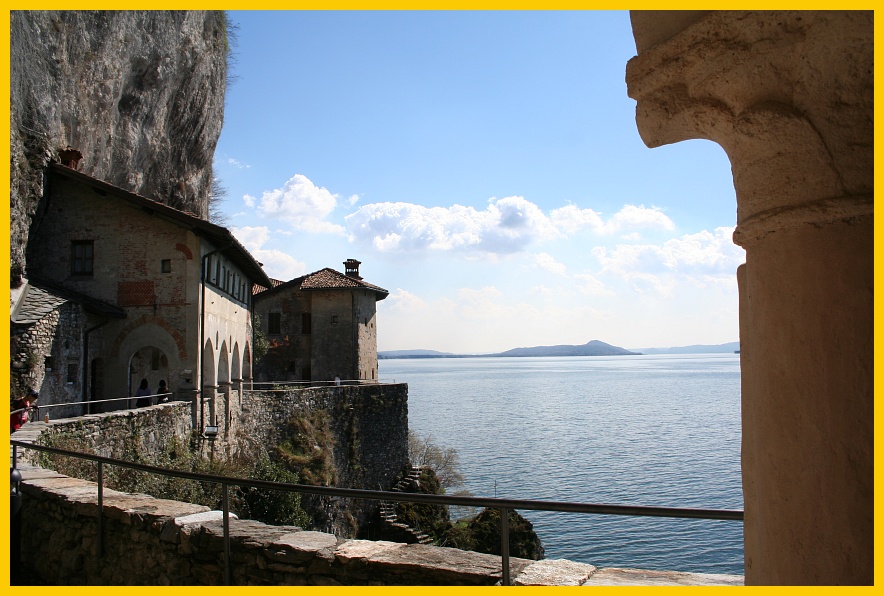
column 701, row 253
column 252, row 237
column 300, row 203
column 277, row 264
column 543, row 291
column 280, row 265
column 571, row 219
column 404, row 301
column 507, row 225
column 548, row 263
column 702, row 259
column 238, row 164
column 591, row 286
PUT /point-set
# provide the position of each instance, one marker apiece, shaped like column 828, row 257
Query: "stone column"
column 789, row 96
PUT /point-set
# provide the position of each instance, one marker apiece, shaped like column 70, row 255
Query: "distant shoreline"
column 593, row 348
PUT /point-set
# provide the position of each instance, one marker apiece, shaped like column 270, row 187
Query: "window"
column 166, row 266
column 334, row 320
column 217, row 280
column 305, row 323
column 81, row 257
column 72, row 373
column 274, row 320
column 47, row 363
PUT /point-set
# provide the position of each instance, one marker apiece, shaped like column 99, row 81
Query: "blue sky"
column 486, row 169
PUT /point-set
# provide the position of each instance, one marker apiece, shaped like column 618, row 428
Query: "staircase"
column 395, row 529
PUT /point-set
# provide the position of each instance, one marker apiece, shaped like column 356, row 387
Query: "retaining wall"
column 151, row 541
column 116, row 434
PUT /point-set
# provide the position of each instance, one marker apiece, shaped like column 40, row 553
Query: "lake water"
column 660, row 430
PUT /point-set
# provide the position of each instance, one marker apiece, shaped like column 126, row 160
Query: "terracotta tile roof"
column 329, row 279
column 256, row 289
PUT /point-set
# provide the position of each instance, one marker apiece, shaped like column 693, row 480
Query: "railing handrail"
column 94, row 401
column 311, row 384
column 359, row 493
column 504, row 505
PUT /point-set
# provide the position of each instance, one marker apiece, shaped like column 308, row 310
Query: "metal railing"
column 36, row 408
column 285, row 385
column 503, row 505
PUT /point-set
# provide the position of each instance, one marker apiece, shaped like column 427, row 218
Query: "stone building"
column 789, row 95
column 320, row 327
column 47, row 343
column 141, row 291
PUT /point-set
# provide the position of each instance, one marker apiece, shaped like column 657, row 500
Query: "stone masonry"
column 150, row 541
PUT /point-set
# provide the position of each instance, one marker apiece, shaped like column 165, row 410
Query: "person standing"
column 20, row 409
column 142, row 395
column 162, row 392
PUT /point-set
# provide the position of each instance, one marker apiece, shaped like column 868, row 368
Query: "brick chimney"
column 351, row 268
column 70, row 157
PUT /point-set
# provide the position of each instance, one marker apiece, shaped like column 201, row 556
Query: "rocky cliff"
column 139, row 93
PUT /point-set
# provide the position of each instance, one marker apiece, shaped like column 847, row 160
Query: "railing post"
column 505, row 545
column 15, row 498
column 100, row 509
column 226, row 508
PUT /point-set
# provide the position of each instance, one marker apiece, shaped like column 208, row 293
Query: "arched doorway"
column 150, row 363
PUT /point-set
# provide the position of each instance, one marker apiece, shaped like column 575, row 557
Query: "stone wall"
column 30, row 344
column 116, row 434
column 369, row 425
column 151, row 541
column 47, row 356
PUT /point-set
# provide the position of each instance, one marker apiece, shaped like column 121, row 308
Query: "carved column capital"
column 787, row 94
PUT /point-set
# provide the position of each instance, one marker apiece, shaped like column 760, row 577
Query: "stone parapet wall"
column 369, row 423
column 115, row 434
column 151, row 541
column 369, row 429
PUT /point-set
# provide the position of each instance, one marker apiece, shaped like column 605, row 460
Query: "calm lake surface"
column 661, row 430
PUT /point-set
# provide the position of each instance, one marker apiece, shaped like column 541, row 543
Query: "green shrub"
column 270, row 507
column 308, row 449
column 482, row 534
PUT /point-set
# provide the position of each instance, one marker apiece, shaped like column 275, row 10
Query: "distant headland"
column 591, row 348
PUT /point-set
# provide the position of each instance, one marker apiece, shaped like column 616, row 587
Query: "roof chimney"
column 351, row 268
column 70, row 157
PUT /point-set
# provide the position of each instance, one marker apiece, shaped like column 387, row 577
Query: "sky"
column 486, row 169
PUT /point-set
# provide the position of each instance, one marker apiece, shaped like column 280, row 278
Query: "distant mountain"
column 414, row 354
column 592, row 348
column 728, row 348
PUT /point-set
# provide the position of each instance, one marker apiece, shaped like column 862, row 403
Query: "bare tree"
column 217, row 194
column 423, row 451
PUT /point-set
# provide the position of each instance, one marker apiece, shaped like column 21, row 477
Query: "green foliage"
column 431, row 519
column 270, row 507
column 281, row 506
column 482, row 534
column 308, row 448
column 260, row 345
